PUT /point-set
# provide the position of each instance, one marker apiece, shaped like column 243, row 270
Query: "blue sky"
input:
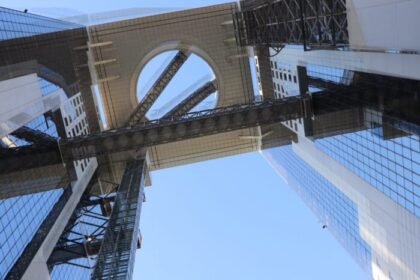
column 231, row 218
column 234, row 218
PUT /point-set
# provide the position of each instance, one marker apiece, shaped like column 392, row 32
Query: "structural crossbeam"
column 28, row 157
column 193, row 99
column 183, row 127
column 155, row 91
column 34, row 136
column 74, row 251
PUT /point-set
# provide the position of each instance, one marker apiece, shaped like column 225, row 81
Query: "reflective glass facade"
column 21, row 216
column 363, row 148
column 79, row 269
column 332, row 207
column 16, row 24
column 390, row 163
column 392, row 166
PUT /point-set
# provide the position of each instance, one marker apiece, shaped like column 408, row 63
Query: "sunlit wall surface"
column 335, row 211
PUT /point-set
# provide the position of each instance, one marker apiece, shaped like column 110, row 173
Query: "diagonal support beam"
column 193, row 99
column 156, row 90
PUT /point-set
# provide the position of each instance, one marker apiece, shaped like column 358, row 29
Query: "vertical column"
column 117, row 253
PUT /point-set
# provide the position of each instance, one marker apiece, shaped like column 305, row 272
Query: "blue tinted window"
column 332, row 207
column 15, row 24
column 392, row 166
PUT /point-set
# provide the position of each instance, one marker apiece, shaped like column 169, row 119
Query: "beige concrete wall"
column 134, row 42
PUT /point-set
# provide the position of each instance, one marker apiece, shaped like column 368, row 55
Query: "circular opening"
column 193, row 74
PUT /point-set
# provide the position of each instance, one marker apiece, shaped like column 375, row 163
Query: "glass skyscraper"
column 21, row 216
column 336, row 115
column 360, row 175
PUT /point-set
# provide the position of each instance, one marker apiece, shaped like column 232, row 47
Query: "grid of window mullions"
column 15, row 24
column 365, row 156
column 327, row 201
column 392, row 166
column 20, row 217
column 27, row 18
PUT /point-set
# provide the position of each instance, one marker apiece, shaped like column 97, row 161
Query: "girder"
column 183, row 127
column 116, row 257
column 193, row 99
column 74, row 251
column 31, row 135
column 364, row 92
column 155, row 91
column 397, row 98
column 28, row 157
column 314, row 24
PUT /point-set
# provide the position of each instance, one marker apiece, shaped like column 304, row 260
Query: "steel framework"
column 32, row 135
column 312, row 23
column 28, row 157
column 191, row 125
column 84, row 232
column 152, row 95
column 116, row 257
column 380, row 93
